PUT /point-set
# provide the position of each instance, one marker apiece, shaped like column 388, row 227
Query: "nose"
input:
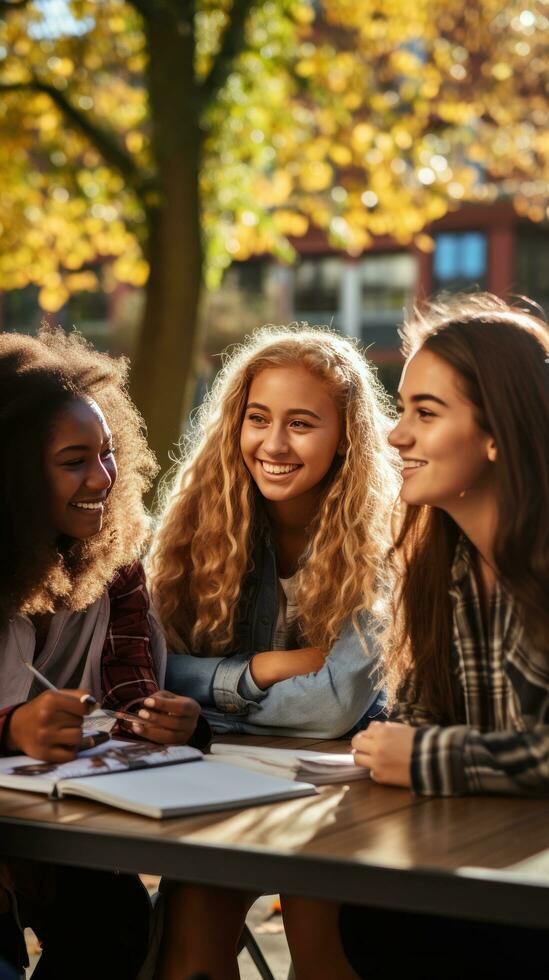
column 401, row 435
column 276, row 440
column 98, row 476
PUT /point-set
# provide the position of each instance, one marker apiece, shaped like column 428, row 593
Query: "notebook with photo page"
column 153, row 780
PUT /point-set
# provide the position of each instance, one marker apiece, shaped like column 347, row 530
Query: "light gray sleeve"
column 248, row 688
column 329, row 702
column 233, row 687
column 213, row 681
column 192, row 676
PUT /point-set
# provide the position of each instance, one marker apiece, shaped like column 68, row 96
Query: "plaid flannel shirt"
column 127, row 671
column 501, row 686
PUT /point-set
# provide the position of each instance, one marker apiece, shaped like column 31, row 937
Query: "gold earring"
column 462, row 494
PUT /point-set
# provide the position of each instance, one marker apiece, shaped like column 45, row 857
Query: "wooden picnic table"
column 481, row 857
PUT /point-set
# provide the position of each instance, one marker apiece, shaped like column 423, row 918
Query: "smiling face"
column 444, row 450
column 290, row 434
column 80, row 469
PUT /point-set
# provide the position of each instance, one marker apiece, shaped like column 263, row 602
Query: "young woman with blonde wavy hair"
column 268, row 568
column 268, row 559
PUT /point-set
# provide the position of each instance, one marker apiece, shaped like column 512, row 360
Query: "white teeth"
column 83, row 506
column 274, row 470
column 413, row 463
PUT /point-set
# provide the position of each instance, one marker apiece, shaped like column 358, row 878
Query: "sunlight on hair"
column 203, row 548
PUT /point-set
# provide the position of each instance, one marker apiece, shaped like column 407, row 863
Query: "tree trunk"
column 163, row 363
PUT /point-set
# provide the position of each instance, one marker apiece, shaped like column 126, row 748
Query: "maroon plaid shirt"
column 127, row 672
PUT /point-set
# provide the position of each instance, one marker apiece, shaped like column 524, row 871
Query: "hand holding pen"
column 50, row 726
column 164, row 717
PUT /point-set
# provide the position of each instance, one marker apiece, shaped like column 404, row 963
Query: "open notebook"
column 314, row 767
column 153, row 780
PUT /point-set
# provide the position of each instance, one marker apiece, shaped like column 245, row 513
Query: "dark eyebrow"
column 82, row 448
column 72, row 449
column 424, row 398
column 291, row 411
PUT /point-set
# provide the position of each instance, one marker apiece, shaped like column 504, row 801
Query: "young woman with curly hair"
column 73, row 603
column 267, row 566
column 268, row 570
column 472, row 649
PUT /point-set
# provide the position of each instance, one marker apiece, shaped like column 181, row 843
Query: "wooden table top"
column 486, row 857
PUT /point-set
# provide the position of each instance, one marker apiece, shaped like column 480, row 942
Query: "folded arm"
column 320, row 696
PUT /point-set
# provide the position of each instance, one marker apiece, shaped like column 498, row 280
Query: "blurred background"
column 175, row 173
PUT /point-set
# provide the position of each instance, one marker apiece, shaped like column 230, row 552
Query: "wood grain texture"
column 358, row 842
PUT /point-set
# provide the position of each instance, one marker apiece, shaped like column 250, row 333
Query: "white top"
column 285, row 634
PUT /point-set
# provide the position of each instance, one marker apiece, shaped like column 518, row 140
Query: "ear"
column 492, row 451
column 341, row 447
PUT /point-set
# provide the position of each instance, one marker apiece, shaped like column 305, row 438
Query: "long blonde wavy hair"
column 202, row 550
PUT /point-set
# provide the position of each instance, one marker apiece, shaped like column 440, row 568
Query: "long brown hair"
column 501, row 355
column 203, row 547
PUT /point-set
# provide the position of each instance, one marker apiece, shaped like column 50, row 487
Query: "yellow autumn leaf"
column 316, row 176
column 290, row 223
column 341, row 155
column 82, row 281
column 424, row 242
column 52, row 298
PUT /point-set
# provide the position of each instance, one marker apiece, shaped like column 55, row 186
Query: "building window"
column 248, row 276
column 460, row 260
column 19, row 310
column 317, row 288
column 87, row 311
column 532, row 266
column 387, row 289
column 387, row 286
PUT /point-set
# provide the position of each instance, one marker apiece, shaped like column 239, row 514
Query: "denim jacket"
column 329, row 703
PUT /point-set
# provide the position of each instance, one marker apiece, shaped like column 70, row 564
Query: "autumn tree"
column 173, row 136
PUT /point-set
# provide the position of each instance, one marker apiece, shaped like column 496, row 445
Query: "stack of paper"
column 312, row 767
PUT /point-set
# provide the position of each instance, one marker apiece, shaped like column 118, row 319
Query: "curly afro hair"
column 39, row 376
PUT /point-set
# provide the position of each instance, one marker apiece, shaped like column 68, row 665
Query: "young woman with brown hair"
column 474, row 618
column 471, row 653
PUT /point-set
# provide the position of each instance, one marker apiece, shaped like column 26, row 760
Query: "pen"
column 84, row 699
column 96, row 738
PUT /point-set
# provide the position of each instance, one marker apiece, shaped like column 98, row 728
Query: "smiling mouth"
column 95, row 505
column 413, row 464
column 278, row 469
